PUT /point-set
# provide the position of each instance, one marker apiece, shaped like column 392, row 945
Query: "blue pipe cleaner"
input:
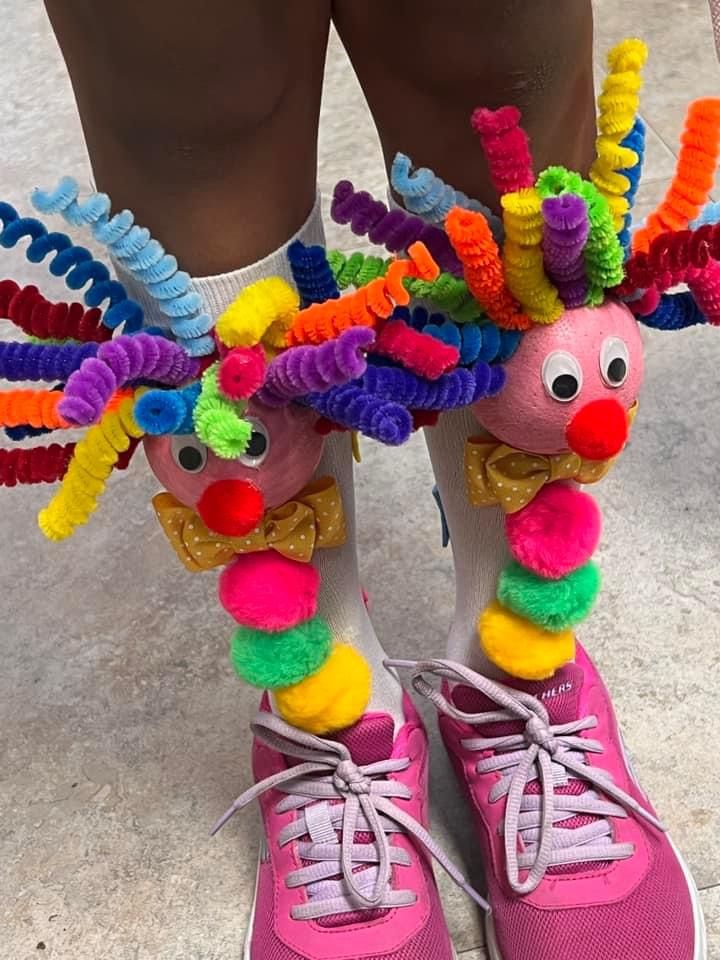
column 426, row 195
column 710, row 213
column 635, row 140
column 676, row 311
column 312, row 274
column 143, row 257
column 160, row 412
column 25, row 432
column 75, row 264
column 31, row 361
column 476, row 341
column 355, row 408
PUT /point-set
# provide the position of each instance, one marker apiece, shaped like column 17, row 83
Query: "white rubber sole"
column 493, row 950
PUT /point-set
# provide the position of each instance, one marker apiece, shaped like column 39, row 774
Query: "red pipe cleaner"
column 419, row 352
column 35, row 465
column 38, row 317
column 506, row 147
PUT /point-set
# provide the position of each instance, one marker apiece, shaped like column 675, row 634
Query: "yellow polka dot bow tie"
column 313, row 519
column 498, row 474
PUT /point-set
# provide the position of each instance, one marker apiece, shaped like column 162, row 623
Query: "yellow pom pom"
column 261, row 313
column 331, row 699
column 520, row 647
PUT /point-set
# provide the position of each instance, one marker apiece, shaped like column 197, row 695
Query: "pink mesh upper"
column 430, row 942
column 655, row 922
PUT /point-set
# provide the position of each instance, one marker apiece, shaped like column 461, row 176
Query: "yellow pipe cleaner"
column 523, row 256
column 91, row 465
column 261, row 313
column 618, row 105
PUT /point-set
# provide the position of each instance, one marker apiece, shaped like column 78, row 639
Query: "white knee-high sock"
column 476, row 534
column 341, row 601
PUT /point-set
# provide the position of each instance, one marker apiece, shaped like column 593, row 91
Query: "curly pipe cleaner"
column 36, row 465
column 456, row 389
column 120, row 362
column 393, row 229
column 30, row 361
column 710, row 213
column 635, row 141
column 506, row 147
column 447, row 292
column 38, row 317
column 92, row 462
column 75, row 264
column 694, row 175
column 675, row 311
column 426, row 195
column 427, row 356
column 261, row 313
column 672, row 257
column 312, row 273
column 36, row 408
column 706, row 290
column 618, row 105
column 366, row 306
column 567, row 228
column 162, row 412
column 354, row 408
column 470, row 235
column 307, row 369
column 523, row 256
column 143, row 257
column 474, row 341
column 604, row 255
column 219, row 421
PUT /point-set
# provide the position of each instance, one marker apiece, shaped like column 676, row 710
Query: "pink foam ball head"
column 280, row 459
column 570, row 385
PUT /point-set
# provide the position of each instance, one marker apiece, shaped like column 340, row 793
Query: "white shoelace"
column 326, row 775
column 552, row 754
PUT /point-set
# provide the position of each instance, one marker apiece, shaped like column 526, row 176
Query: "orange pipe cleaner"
column 694, row 176
column 365, row 307
column 38, row 408
column 476, row 247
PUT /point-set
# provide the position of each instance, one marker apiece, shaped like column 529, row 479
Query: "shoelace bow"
column 328, row 773
column 540, row 751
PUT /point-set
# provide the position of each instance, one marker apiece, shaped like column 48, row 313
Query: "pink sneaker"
column 577, row 865
column 344, row 870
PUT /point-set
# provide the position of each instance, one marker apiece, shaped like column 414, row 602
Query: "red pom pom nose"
column 599, row 430
column 231, row 507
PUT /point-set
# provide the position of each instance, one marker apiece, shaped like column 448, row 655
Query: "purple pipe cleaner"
column 308, row 369
column 354, row 408
column 37, row 361
column 567, row 227
column 458, row 388
column 393, row 229
column 120, row 362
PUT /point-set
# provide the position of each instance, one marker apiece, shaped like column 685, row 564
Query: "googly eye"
column 562, row 376
column 614, row 361
column 188, row 453
column 258, row 446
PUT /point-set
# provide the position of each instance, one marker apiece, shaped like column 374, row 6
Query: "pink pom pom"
column 267, row 591
column 242, row 372
column 556, row 533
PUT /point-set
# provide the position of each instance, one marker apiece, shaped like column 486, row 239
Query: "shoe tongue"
column 560, row 695
column 369, row 740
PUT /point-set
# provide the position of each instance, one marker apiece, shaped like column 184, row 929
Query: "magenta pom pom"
column 241, row 373
column 556, row 533
column 267, row 591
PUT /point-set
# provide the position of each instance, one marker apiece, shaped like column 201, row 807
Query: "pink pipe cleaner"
column 567, row 227
column 418, row 352
column 118, row 363
column 309, row 369
column 706, row 290
column 396, row 230
column 506, row 147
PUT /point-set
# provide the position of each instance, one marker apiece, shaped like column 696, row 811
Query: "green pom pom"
column 270, row 660
column 553, row 604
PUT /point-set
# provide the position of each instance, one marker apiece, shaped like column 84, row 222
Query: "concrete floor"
column 123, row 732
